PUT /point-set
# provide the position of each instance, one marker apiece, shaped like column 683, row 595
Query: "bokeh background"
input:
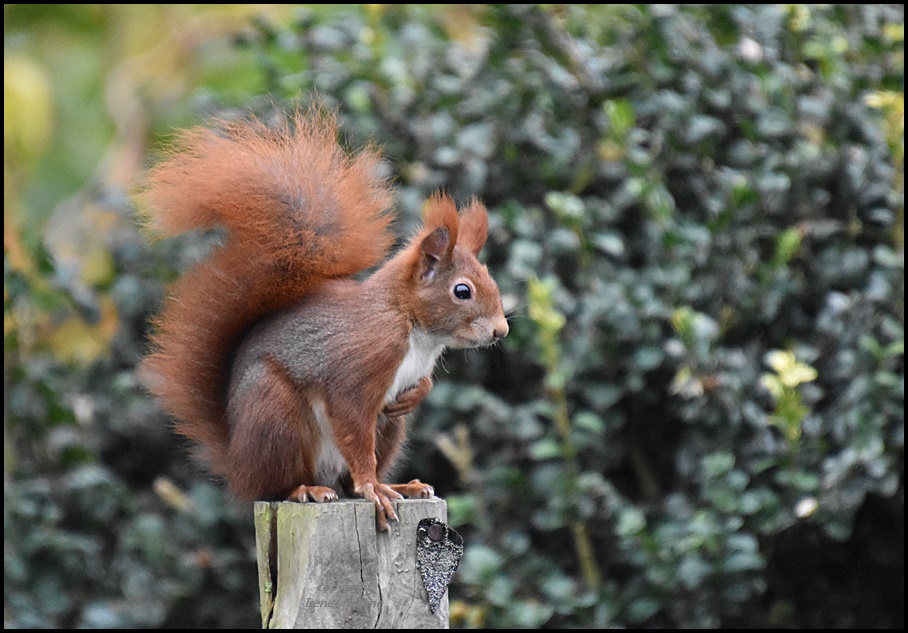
column 698, row 228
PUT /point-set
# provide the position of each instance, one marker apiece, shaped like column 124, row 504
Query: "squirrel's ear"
column 474, row 227
column 433, row 248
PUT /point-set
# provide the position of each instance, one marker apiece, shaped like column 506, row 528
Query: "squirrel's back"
column 297, row 210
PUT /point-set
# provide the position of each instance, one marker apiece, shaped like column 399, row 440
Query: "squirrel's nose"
column 500, row 331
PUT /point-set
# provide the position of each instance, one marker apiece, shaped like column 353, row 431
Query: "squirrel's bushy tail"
column 297, row 210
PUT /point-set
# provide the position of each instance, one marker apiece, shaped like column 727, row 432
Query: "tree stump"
column 325, row 565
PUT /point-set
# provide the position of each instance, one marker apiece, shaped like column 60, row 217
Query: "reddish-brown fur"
column 268, row 336
column 244, row 177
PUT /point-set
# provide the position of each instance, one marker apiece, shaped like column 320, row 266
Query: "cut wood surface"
column 326, row 565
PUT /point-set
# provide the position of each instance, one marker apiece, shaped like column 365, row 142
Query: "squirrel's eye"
column 462, row 291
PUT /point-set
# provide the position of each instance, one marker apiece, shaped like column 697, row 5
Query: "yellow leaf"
column 27, row 108
column 780, row 361
column 80, row 342
column 171, row 493
column 772, row 384
column 790, row 372
column 798, row 374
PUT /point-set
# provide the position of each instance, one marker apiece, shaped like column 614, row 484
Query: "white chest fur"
column 422, row 352
column 330, row 463
column 424, row 349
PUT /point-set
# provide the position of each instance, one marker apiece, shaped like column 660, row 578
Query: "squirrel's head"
column 456, row 298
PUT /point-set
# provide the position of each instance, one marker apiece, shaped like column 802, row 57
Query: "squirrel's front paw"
column 407, row 401
column 382, row 496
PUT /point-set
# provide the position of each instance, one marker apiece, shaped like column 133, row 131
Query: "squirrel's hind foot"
column 415, row 489
column 319, row 494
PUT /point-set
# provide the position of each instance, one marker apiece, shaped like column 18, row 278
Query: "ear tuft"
column 474, row 227
column 440, row 211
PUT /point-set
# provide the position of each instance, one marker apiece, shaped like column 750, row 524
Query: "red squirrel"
column 292, row 378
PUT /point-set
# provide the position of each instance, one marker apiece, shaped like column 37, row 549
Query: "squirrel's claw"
column 382, row 496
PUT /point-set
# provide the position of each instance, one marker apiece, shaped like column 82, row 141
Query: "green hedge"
column 698, row 417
